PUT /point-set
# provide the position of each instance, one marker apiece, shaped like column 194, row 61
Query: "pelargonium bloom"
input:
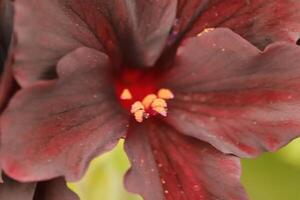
column 188, row 99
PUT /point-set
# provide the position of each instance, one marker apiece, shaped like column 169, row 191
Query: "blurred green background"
column 272, row 176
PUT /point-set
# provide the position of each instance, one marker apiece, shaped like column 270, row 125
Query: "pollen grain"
column 137, row 106
column 165, row 94
column 205, row 31
column 159, row 103
column 126, row 95
column 148, row 100
column 139, row 115
column 160, row 106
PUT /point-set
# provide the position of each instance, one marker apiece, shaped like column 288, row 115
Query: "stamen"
column 139, row 115
column 126, row 95
column 147, row 101
column 161, row 110
column 159, row 103
column 136, row 107
column 160, row 106
column 151, row 105
column 165, row 94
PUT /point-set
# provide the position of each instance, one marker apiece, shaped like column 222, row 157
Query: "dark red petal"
column 259, row 21
column 8, row 87
column 6, row 17
column 187, row 13
column 168, row 165
column 140, row 27
column 233, row 96
column 55, row 189
column 133, row 29
column 8, row 84
column 5, row 28
column 12, row 190
column 55, row 128
column 50, row 30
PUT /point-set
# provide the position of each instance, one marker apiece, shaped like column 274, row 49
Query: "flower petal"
column 187, row 13
column 55, row 128
column 133, row 29
column 168, row 165
column 6, row 17
column 259, row 21
column 5, row 28
column 50, row 30
column 8, row 87
column 233, row 96
column 141, row 27
column 12, row 190
column 55, row 189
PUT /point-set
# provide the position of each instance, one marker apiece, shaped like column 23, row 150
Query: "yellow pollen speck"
column 147, row 101
column 126, row 95
column 165, row 94
column 136, row 107
column 139, row 115
column 206, row 31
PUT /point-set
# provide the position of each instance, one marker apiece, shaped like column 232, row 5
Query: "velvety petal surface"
column 55, row 189
column 187, row 12
column 230, row 94
column 8, row 84
column 6, row 13
column 12, row 190
column 50, row 30
column 6, row 18
column 132, row 29
column 259, row 21
column 55, row 128
column 168, row 165
column 8, row 87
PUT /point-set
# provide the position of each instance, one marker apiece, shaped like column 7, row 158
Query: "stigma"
column 152, row 104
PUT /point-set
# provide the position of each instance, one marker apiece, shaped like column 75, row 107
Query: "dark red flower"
column 91, row 70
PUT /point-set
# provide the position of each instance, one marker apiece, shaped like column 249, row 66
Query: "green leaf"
column 104, row 178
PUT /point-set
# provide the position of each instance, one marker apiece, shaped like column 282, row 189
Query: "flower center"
column 139, row 95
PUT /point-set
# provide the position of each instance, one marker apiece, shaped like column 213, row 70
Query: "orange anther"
column 126, row 95
column 147, row 101
column 137, row 106
column 165, row 94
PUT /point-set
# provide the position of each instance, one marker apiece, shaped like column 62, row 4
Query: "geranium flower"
column 95, row 71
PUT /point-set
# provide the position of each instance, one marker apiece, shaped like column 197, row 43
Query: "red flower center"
column 139, row 93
